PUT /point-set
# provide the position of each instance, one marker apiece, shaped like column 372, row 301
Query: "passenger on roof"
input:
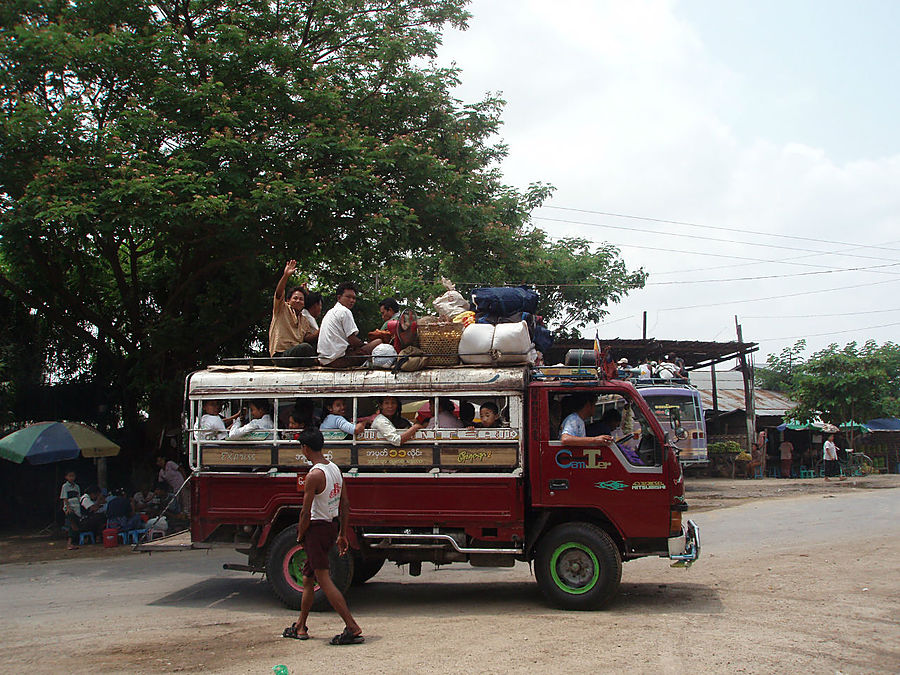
column 289, row 329
column 339, row 344
column 388, row 308
column 389, row 421
column 312, row 311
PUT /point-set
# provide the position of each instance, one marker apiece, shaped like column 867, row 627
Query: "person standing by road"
column 323, row 522
column 786, row 448
column 830, row 457
column 70, row 499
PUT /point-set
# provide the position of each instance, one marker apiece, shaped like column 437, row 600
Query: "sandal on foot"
column 291, row 632
column 347, row 638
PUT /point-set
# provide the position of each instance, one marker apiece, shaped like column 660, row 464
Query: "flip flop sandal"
column 347, row 638
column 291, row 632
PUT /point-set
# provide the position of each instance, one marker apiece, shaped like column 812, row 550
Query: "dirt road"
column 803, row 583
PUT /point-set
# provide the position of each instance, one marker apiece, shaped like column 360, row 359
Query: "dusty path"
column 804, row 583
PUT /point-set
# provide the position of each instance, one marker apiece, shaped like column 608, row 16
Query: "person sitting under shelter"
column 93, row 514
column 289, row 329
column 339, row 345
column 389, row 421
column 120, row 513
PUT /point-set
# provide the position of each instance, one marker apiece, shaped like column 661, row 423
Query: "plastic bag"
column 450, row 303
column 384, row 356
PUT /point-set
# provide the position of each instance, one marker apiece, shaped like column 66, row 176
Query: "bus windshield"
column 682, row 409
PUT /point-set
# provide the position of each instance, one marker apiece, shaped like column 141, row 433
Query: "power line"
column 701, row 238
column 776, row 297
column 715, row 227
column 704, row 253
column 771, row 276
column 836, row 332
column 821, row 316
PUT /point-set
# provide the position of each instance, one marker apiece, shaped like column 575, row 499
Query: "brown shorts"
column 317, row 542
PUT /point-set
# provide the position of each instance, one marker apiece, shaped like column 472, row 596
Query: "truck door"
column 626, row 480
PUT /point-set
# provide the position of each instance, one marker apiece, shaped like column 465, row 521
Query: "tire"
column 365, row 568
column 284, row 565
column 578, row 566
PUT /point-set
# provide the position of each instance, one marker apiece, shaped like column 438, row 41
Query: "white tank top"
column 326, row 504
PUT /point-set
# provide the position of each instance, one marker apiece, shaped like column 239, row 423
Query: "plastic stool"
column 84, row 536
column 806, row 473
column 758, row 472
column 775, row 473
column 123, row 535
column 135, row 535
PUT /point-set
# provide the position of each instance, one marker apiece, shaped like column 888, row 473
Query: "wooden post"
column 644, row 333
column 748, row 404
column 715, row 390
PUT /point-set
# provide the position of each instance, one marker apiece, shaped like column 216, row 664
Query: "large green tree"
column 159, row 161
column 840, row 384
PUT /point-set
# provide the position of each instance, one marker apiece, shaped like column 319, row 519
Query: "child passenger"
column 490, row 416
column 261, row 418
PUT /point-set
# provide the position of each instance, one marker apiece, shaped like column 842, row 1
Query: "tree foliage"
column 778, row 373
column 840, row 384
column 161, row 160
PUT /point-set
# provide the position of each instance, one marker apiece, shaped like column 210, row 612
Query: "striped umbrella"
column 47, row 442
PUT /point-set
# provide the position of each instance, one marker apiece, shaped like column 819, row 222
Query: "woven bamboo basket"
column 441, row 342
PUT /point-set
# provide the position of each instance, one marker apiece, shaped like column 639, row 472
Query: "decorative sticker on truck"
column 591, row 460
column 480, row 456
column 615, row 485
column 648, row 485
column 618, row 486
column 499, row 434
column 395, row 457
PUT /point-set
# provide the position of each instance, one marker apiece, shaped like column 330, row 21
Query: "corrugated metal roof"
column 730, row 391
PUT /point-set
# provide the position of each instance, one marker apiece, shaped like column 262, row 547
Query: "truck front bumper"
column 686, row 547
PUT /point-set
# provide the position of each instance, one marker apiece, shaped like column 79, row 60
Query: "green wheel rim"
column 295, row 566
column 572, row 557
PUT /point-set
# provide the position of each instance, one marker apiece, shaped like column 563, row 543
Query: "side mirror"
column 677, row 434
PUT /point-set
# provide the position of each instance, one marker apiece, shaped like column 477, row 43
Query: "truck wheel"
column 365, row 568
column 578, row 566
column 284, row 570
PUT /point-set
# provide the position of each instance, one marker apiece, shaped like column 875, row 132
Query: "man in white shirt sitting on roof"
column 339, row 344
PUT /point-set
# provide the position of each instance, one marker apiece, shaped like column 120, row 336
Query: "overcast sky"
column 769, row 130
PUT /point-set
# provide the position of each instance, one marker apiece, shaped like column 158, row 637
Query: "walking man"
column 323, row 521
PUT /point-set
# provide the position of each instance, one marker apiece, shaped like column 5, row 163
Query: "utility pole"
column 748, row 398
column 644, row 332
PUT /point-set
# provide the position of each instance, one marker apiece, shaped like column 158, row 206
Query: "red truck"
column 485, row 496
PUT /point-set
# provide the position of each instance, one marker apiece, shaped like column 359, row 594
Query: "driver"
column 572, row 431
